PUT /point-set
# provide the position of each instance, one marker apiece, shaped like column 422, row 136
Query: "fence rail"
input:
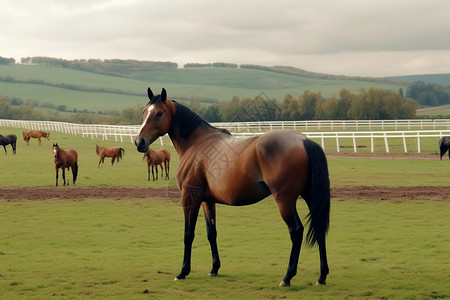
column 384, row 130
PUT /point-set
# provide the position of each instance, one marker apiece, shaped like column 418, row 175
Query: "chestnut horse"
column 65, row 159
column 35, row 134
column 444, row 145
column 157, row 158
column 216, row 167
column 10, row 139
column 114, row 153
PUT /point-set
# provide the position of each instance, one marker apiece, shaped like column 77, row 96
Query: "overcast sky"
column 348, row 37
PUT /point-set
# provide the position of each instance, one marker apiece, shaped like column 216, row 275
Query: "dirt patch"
column 431, row 193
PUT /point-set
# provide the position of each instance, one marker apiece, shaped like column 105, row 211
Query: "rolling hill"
column 82, row 90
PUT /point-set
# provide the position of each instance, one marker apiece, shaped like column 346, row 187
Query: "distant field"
column 434, row 111
column 206, row 84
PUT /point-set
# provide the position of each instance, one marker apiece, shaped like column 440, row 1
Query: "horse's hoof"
column 320, row 283
column 284, row 284
column 176, row 278
column 213, row 274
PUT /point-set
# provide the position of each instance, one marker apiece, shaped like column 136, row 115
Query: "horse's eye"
column 159, row 114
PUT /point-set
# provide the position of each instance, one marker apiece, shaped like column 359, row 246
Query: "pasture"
column 132, row 249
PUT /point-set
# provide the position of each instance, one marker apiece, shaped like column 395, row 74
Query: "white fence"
column 383, row 130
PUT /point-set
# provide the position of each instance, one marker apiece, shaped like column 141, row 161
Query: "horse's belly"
column 239, row 193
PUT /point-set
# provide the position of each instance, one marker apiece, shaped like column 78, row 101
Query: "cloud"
column 367, row 38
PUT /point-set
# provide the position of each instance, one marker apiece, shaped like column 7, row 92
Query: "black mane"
column 189, row 121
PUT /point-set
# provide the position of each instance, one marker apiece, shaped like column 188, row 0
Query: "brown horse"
column 114, row 153
column 35, row 134
column 65, row 159
column 216, row 167
column 157, row 158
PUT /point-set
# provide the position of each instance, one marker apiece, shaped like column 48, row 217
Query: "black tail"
column 121, row 152
column 317, row 193
column 75, row 172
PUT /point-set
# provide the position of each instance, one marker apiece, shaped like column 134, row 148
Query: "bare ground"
column 379, row 193
column 399, row 193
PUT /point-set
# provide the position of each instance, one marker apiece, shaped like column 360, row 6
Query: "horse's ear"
column 150, row 94
column 163, row 95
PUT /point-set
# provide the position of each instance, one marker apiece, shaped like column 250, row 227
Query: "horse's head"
column 157, row 117
column 55, row 149
column 47, row 135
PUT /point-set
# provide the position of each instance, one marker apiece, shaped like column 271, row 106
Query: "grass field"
column 119, row 249
column 132, row 249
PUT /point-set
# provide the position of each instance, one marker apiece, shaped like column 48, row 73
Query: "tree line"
column 370, row 104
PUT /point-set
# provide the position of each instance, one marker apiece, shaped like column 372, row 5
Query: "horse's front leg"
column 4, row 147
column 209, row 209
column 57, row 169
column 191, row 206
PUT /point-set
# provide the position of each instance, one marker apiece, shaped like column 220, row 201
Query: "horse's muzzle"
column 141, row 145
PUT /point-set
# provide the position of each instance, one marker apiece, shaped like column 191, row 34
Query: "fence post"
column 337, row 142
column 386, row 143
column 371, row 142
column 404, row 141
column 418, row 143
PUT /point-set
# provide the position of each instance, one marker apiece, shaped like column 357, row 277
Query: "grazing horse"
column 216, row 167
column 35, row 134
column 10, row 139
column 114, row 153
column 65, row 159
column 444, row 145
column 157, row 158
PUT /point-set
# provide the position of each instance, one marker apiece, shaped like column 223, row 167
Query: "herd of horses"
column 68, row 158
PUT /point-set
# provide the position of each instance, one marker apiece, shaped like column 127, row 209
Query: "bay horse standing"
column 10, row 139
column 113, row 152
column 216, row 167
column 35, row 134
column 65, row 159
column 444, row 145
column 157, row 158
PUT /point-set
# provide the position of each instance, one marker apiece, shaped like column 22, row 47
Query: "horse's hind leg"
column 323, row 262
column 4, row 147
column 64, row 175
column 209, row 210
column 57, row 169
column 290, row 216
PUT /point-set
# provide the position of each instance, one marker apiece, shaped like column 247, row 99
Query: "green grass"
column 118, row 249
column 219, row 84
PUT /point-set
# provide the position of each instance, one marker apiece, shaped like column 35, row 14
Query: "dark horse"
column 216, row 167
column 114, row 152
column 444, row 145
column 10, row 139
column 157, row 158
column 65, row 159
